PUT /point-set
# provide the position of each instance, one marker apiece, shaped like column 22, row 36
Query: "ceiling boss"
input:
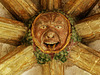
column 51, row 34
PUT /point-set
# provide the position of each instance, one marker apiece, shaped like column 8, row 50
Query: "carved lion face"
column 51, row 32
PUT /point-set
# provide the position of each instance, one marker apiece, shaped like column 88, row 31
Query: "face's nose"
column 50, row 35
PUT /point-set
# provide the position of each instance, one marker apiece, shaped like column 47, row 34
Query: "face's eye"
column 43, row 27
column 58, row 27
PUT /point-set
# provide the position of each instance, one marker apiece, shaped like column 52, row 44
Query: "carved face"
column 51, row 32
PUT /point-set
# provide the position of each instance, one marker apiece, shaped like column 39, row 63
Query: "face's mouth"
column 51, row 45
